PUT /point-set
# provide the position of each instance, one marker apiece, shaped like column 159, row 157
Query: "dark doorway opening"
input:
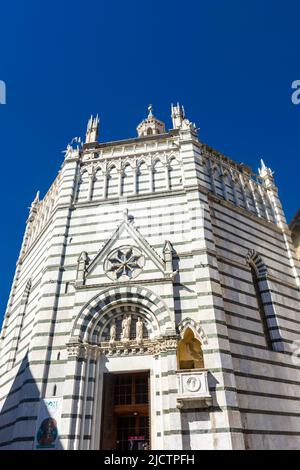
column 125, row 413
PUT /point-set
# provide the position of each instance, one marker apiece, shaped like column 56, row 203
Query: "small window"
column 261, row 309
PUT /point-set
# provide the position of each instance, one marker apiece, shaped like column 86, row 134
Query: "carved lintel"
column 165, row 345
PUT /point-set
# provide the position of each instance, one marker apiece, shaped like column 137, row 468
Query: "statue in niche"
column 126, row 323
column 139, row 330
column 113, row 332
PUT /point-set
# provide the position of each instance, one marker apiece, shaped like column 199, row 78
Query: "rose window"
column 124, row 263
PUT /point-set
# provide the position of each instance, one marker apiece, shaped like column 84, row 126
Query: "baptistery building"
column 155, row 303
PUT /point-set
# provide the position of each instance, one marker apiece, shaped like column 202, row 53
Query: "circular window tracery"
column 124, row 263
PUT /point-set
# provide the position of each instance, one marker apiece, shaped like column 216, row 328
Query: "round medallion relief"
column 193, row 384
column 124, row 263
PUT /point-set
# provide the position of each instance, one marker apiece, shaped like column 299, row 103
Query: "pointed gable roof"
column 127, row 225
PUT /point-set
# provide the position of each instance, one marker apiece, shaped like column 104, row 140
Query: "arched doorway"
column 103, row 345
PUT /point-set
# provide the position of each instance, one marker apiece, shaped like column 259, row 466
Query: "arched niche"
column 112, row 182
column 98, row 184
column 83, row 185
column 159, row 176
column 142, row 178
column 175, row 174
column 189, row 351
column 127, row 180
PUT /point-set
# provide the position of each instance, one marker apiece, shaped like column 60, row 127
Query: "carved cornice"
column 150, row 347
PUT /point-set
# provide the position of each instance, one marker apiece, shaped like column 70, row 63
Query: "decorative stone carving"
column 193, row 389
column 126, row 324
column 74, row 350
column 139, row 331
column 188, row 125
column 124, row 263
column 83, row 350
column 165, row 345
column 82, row 264
column 129, row 348
column 113, row 332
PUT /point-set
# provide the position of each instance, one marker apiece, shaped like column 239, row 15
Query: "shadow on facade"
column 195, row 419
column 179, row 287
column 25, row 421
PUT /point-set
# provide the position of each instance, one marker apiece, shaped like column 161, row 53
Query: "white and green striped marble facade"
column 220, row 220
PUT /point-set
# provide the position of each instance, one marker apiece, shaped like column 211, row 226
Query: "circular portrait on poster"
column 47, row 433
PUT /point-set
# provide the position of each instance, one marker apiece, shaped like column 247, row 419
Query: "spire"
column 266, row 174
column 151, row 125
column 168, row 256
column 180, row 120
column 33, row 208
column 36, row 199
column 178, row 115
column 92, row 130
column 82, row 264
column 150, row 109
column 263, row 166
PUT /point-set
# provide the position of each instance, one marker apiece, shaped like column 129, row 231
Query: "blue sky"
column 230, row 62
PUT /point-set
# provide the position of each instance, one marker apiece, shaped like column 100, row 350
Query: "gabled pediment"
column 130, row 254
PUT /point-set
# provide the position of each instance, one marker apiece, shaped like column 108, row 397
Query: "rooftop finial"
column 150, row 109
column 178, row 115
column 151, row 125
column 92, row 130
column 37, row 198
column 266, row 173
column 33, row 208
column 263, row 166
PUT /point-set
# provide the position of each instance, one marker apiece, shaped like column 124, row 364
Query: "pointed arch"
column 98, row 184
column 190, row 347
column 83, row 186
column 217, row 180
column 216, row 170
column 261, row 203
column 229, row 186
column 142, row 176
column 249, row 198
column 189, row 351
column 175, row 173
column 112, row 182
column 195, row 326
column 264, row 301
column 255, row 260
column 127, row 180
column 268, row 205
column 239, row 191
column 159, row 176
